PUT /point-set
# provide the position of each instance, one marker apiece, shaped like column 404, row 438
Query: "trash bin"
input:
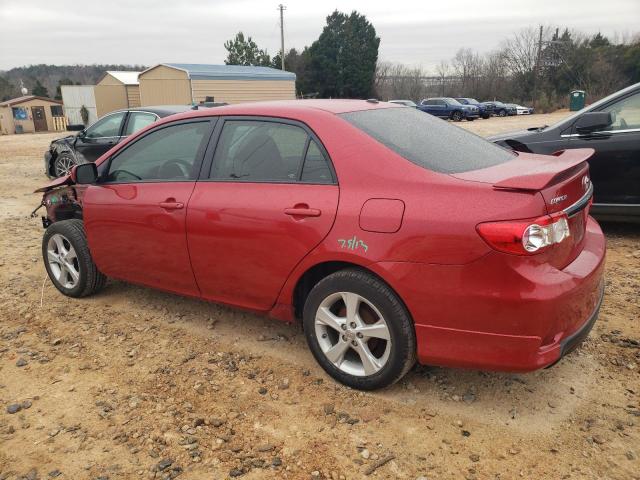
column 576, row 100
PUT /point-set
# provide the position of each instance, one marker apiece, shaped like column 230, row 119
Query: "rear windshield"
column 428, row 141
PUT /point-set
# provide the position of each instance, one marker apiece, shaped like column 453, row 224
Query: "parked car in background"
column 512, row 109
column 499, row 109
column 520, row 110
column 391, row 235
column 485, row 110
column 406, row 103
column 611, row 127
column 445, row 107
column 90, row 143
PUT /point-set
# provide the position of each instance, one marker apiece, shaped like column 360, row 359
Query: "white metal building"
column 74, row 98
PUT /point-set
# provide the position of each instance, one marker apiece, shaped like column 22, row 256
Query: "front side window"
column 259, row 151
column 169, row 153
column 626, row 113
column 139, row 120
column 108, row 126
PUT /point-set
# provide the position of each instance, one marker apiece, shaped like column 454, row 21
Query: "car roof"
column 290, row 108
column 159, row 110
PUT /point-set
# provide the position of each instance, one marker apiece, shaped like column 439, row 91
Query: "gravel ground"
column 135, row 383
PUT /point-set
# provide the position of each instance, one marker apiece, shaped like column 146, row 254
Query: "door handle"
column 171, row 205
column 302, row 211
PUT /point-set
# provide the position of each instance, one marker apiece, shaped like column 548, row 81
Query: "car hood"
column 55, row 183
column 64, row 140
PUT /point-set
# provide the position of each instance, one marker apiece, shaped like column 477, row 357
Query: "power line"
column 282, row 8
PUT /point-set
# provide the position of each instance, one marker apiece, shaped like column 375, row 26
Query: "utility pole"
column 282, row 8
column 537, row 69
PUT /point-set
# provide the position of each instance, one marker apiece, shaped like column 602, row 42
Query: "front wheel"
column 63, row 164
column 68, row 260
column 456, row 116
column 358, row 330
column 502, row 113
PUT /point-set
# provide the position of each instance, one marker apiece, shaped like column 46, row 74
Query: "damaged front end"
column 62, row 201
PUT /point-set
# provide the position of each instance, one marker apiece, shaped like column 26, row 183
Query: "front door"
column 39, row 119
column 615, row 167
column 270, row 198
column 135, row 215
column 100, row 137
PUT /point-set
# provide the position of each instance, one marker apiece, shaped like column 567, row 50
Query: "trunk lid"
column 562, row 179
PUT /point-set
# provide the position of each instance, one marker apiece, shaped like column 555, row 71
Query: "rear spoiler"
column 546, row 170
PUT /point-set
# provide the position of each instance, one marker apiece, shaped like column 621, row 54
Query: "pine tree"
column 343, row 60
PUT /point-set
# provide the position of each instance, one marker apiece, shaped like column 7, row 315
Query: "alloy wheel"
column 63, row 165
column 352, row 334
column 63, row 261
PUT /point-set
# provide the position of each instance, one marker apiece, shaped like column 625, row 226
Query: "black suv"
column 90, row 143
column 611, row 127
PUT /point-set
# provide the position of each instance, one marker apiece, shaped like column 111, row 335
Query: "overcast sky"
column 193, row 31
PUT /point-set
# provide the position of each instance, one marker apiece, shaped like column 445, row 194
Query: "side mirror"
column 84, row 174
column 593, row 121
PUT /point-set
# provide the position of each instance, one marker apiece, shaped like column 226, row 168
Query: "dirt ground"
column 135, row 383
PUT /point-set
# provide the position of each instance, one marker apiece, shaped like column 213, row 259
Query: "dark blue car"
column 485, row 109
column 501, row 109
column 445, row 107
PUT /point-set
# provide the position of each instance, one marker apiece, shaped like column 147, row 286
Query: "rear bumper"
column 497, row 314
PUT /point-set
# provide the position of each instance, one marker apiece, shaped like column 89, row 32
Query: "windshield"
column 452, row 101
column 427, row 141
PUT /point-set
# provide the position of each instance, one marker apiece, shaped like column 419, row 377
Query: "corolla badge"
column 559, row 199
column 586, row 181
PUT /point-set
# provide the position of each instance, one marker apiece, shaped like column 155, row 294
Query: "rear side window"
column 316, row 169
column 139, row 120
column 427, row 141
column 268, row 151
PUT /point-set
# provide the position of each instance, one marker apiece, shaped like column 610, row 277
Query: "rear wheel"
column 359, row 330
column 68, row 260
column 456, row 116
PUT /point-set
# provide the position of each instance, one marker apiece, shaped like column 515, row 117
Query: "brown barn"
column 117, row 90
column 30, row 114
column 187, row 84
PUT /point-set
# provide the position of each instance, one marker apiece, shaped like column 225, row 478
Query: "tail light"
column 526, row 237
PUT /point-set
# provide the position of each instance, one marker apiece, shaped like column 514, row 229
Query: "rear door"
column 100, row 137
column 615, row 167
column 135, row 216
column 270, row 196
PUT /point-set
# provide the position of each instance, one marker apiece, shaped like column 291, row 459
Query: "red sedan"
column 391, row 234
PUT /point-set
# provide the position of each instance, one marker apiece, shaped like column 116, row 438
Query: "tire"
column 502, row 113
column 485, row 117
column 334, row 335
column 471, row 119
column 456, row 116
column 63, row 163
column 68, row 261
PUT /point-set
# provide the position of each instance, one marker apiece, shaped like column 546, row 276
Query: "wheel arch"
column 315, row 273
